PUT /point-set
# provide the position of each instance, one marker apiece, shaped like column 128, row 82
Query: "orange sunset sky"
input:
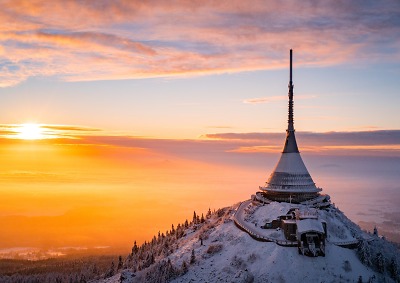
column 119, row 118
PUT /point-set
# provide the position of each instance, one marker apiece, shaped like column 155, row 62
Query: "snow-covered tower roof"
column 290, row 180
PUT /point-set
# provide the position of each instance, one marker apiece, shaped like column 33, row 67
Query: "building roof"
column 309, row 225
column 291, row 163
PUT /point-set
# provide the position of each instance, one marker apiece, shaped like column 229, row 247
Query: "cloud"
column 219, row 127
column 96, row 40
column 362, row 138
column 99, row 41
column 264, row 99
column 47, row 131
column 222, row 145
column 274, row 98
column 70, row 128
column 362, row 142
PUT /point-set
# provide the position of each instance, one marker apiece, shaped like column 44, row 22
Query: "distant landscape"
column 66, row 264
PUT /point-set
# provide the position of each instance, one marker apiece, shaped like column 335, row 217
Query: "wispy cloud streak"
column 382, row 137
column 48, row 131
column 270, row 99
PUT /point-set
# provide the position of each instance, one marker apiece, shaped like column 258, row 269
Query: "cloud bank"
column 97, row 40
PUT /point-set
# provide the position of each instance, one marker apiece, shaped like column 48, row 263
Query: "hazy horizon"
column 112, row 190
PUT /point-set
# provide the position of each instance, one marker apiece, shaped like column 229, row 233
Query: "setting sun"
column 30, row 132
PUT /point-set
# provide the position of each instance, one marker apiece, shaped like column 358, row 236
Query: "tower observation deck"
column 290, row 180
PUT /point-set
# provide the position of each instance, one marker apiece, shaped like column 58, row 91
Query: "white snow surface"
column 307, row 225
column 244, row 259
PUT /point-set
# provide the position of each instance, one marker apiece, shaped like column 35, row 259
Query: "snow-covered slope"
column 228, row 254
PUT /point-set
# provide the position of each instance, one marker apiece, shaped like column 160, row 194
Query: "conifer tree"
column 208, row 213
column 375, row 231
column 364, row 253
column 184, row 267
column 194, row 217
column 168, row 271
column 111, row 271
column 192, row 257
column 202, row 220
column 380, row 262
column 120, row 263
column 393, row 269
column 95, row 270
column 135, row 248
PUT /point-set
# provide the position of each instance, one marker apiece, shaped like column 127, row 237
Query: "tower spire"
column 290, row 119
column 290, row 180
column 290, row 143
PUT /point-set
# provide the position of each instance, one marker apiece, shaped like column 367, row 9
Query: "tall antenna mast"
column 290, row 119
column 290, row 143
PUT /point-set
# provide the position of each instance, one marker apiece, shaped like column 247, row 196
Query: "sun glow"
column 30, row 132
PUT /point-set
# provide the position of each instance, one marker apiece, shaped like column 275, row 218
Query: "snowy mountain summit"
column 216, row 249
column 288, row 231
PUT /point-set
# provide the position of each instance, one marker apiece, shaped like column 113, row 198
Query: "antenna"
column 290, row 66
column 290, row 118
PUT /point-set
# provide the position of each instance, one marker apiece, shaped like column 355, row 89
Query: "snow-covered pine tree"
column 208, row 215
column 111, row 271
column 364, row 253
column 162, row 271
column 120, row 263
column 192, row 257
column 375, row 231
column 194, row 217
column 393, row 269
column 184, row 267
column 135, row 248
column 380, row 262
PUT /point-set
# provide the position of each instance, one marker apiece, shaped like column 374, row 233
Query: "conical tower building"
column 290, row 180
